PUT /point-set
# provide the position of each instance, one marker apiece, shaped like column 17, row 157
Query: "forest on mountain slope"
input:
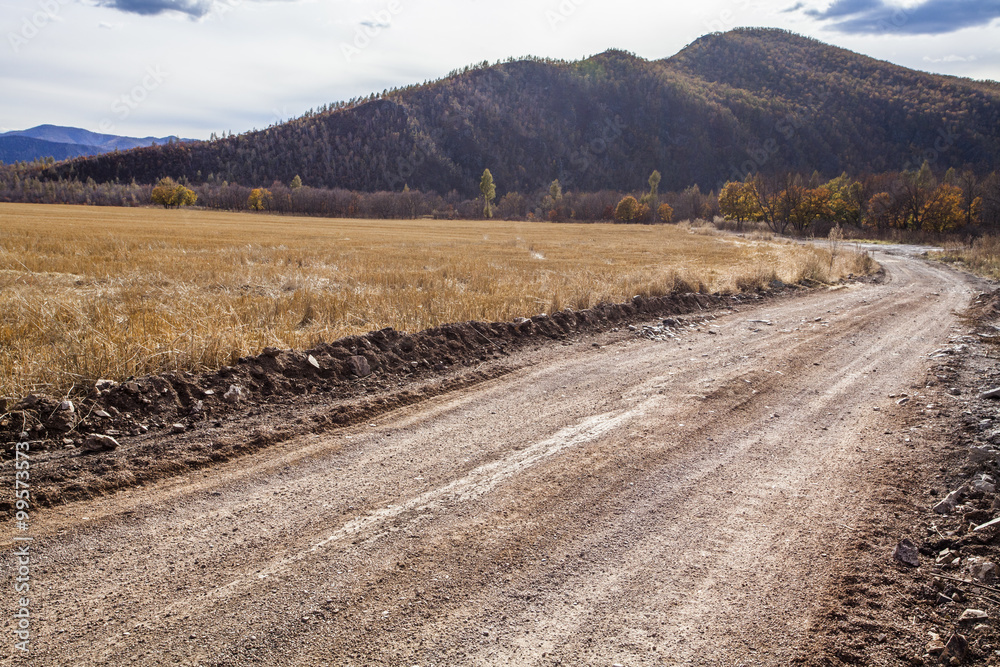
column 747, row 101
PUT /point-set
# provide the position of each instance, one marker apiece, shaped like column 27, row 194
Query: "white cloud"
column 951, row 59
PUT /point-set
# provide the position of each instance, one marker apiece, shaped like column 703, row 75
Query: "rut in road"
column 644, row 503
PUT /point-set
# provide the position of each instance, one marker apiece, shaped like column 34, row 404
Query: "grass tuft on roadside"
column 981, row 257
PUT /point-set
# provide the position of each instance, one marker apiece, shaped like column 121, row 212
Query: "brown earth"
column 174, row 422
column 730, row 496
column 880, row 613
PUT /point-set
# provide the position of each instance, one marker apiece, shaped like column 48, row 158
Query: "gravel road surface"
column 618, row 500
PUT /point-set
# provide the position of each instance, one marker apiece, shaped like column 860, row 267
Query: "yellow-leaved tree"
column 736, row 202
column 943, row 211
column 170, row 194
column 259, row 199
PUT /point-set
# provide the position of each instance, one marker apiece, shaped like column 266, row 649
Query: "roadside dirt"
column 730, row 496
column 161, row 426
column 880, row 611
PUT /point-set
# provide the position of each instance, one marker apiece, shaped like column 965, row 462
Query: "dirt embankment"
column 129, row 433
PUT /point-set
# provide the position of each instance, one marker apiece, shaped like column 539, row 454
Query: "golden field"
column 88, row 292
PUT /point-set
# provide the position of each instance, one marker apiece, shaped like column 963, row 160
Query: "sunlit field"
column 89, row 292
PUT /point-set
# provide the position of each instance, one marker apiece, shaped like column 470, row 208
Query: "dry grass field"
column 89, row 292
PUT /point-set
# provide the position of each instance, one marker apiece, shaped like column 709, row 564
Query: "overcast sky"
column 193, row 67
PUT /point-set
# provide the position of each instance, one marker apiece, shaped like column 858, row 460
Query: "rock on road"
column 641, row 503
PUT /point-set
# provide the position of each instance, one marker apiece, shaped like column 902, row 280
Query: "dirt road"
column 639, row 503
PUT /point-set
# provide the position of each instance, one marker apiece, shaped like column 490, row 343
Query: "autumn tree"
column 885, row 212
column 259, row 199
column 789, row 202
column 770, row 199
column 972, row 201
column 737, row 202
column 627, row 209
column 811, row 204
column 665, row 213
column 171, row 194
column 555, row 191
column 552, row 202
column 919, row 201
column 644, row 213
column 847, row 200
column 489, row 191
column 296, row 183
column 692, row 204
column 654, row 183
column 990, row 215
column 916, row 190
column 943, row 211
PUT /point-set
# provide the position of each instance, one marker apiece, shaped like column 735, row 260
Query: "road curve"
column 639, row 503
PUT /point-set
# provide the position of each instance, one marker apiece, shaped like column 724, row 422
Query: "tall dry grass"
column 87, row 293
column 982, row 256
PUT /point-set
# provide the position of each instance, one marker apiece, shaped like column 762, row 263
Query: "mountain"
column 65, row 142
column 747, row 100
column 15, row 148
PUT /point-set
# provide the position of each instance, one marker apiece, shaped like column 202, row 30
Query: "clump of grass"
column 90, row 292
column 760, row 277
column 814, row 268
column 982, row 256
column 858, row 263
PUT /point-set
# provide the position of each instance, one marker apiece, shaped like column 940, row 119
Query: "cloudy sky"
column 193, row 67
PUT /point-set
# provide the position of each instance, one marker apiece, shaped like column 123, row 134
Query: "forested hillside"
column 745, row 101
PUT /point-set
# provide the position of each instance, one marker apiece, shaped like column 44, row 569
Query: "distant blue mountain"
column 66, row 142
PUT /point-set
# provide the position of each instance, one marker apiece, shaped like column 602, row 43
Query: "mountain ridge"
column 729, row 103
column 62, row 142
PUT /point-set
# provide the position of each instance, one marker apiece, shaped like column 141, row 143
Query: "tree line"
column 914, row 200
column 295, row 198
column 910, row 200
